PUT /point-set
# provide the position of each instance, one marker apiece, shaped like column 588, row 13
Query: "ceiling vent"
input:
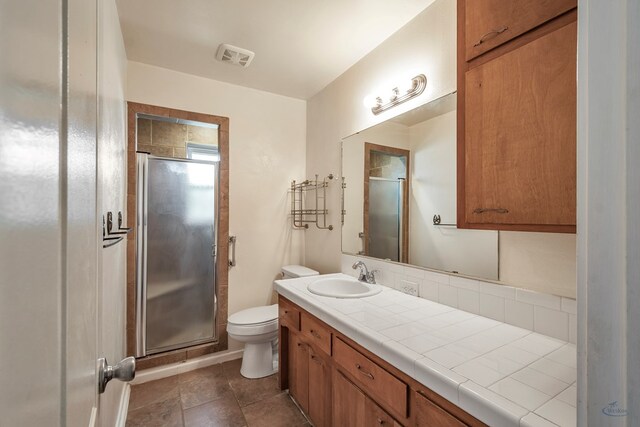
column 234, row 55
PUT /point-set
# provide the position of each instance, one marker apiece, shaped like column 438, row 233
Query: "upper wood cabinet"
column 517, row 125
column 490, row 23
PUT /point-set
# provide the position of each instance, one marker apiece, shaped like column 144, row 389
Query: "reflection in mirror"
column 401, row 174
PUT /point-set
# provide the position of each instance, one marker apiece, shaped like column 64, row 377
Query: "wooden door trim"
column 368, row 148
column 222, row 265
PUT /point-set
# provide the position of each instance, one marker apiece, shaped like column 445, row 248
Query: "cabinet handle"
column 314, row 333
column 496, row 210
column 380, row 421
column 491, row 34
column 363, row 372
column 315, row 359
column 422, row 393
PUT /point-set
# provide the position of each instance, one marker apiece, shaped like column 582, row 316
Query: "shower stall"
column 386, row 202
column 176, row 292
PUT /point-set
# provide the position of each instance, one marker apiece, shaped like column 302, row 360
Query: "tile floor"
column 216, row 396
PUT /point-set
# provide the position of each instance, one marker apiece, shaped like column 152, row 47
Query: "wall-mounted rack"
column 303, row 216
column 110, row 236
column 438, row 222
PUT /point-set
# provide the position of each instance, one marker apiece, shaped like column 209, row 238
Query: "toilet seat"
column 254, row 321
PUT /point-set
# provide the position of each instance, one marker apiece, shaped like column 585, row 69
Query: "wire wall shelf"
column 301, row 195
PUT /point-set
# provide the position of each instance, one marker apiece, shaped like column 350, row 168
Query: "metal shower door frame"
column 142, row 183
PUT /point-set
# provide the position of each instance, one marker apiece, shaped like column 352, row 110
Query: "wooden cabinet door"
column 428, row 414
column 348, row 402
column 319, row 389
column 490, row 23
column 299, row 371
column 376, row 416
column 520, row 135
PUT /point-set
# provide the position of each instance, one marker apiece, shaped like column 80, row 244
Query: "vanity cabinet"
column 349, row 402
column 337, row 382
column 353, row 408
column 428, row 413
column 310, row 380
column 517, row 116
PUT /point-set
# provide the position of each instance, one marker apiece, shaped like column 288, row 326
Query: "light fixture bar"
column 418, row 86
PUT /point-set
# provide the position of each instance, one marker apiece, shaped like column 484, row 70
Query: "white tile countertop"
column 499, row 373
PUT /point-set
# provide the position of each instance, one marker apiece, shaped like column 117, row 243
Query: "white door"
column 48, row 229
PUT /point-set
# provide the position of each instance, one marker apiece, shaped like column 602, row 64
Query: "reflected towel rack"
column 301, row 215
column 438, row 222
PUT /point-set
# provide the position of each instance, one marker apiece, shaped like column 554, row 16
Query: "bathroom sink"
column 343, row 288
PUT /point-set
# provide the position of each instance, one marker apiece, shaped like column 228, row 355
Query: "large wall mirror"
column 400, row 196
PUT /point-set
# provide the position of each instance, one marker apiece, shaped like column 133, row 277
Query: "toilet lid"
column 255, row 315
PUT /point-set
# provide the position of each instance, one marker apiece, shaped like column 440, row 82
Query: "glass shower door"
column 385, row 218
column 179, row 240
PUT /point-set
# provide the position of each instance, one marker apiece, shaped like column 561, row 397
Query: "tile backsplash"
column 546, row 314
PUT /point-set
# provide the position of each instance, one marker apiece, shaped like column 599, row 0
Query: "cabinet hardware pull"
column 491, row 34
column 363, row 372
column 314, row 333
column 315, row 359
column 380, row 421
column 422, row 393
column 496, row 210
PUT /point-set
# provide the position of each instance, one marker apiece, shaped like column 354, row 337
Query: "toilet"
column 257, row 328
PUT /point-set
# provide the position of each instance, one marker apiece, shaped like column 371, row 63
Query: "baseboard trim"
column 185, row 366
column 123, row 407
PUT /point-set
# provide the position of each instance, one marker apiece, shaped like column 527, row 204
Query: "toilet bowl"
column 257, row 328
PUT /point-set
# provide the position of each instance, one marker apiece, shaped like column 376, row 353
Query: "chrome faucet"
column 365, row 275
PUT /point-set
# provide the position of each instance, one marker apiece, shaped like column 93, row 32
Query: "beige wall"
column 267, row 151
column 425, row 45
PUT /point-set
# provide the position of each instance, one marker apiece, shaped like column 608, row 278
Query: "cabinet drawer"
column 429, row 414
column 317, row 334
column 373, row 379
column 288, row 315
column 490, row 23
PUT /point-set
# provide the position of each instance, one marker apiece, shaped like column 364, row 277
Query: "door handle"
column 232, row 243
column 123, row 371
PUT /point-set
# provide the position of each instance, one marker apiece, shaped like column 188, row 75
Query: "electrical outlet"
column 409, row 288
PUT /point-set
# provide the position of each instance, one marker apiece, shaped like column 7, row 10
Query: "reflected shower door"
column 385, row 218
column 181, row 211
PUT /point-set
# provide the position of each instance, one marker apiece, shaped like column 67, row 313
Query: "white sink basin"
column 343, row 288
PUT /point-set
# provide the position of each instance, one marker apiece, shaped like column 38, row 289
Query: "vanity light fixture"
column 399, row 95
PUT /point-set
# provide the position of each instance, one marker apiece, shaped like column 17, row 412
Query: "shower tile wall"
column 170, row 139
column 384, row 165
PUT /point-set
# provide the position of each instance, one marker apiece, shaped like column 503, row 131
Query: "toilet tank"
column 294, row 271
